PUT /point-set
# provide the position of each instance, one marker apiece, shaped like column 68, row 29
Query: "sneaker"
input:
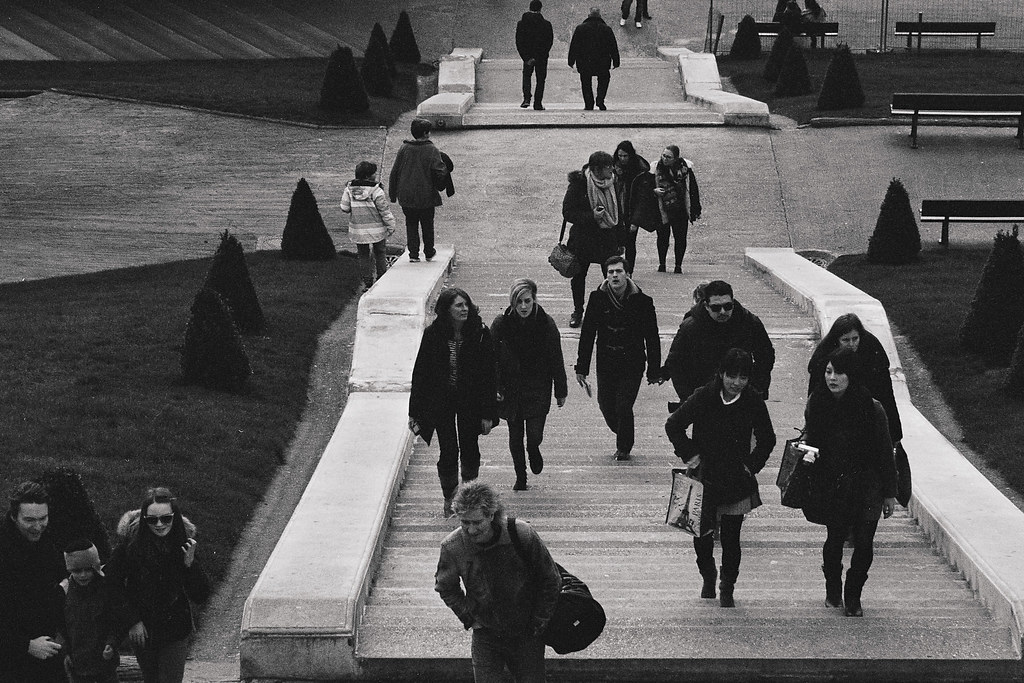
column 639, row 25
column 430, row 255
column 622, row 22
column 576, row 319
column 525, row 104
column 621, row 455
column 414, row 259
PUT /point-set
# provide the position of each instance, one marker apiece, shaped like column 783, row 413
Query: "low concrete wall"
column 702, row 84
column 456, row 88
column 970, row 521
column 301, row 620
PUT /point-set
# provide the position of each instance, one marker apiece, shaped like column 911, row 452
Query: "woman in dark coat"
column 724, row 415
column 853, row 480
column 591, row 205
column 678, row 202
column 453, row 389
column 630, row 168
column 529, row 352
column 157, row 565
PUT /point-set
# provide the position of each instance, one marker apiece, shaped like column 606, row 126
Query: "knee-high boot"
column 833, row 584
column 709, row 573
column 725, row 588
column 855, row 581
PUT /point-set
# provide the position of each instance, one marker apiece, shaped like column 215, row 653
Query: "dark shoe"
column 414, row 259
column 678, row 270
column 536, row 463
column 725, row 594
column 520, row 485
column 661, row 268
column 621, row 455
column 851, row 592
column 600, row 105
column 430, row 256
column 648, row 16
column 833, row 586
column 539, row 107
column 525, row 104
column 708, row 589
column 854, row 610
column 449, row 511
column 586, row 108
column 576, row 319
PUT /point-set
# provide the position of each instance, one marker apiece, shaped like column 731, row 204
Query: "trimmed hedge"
column 229, row 277
column 996, row 313
column 343, row 90
column 213, row 354
column 896, row 238
column 841, row 88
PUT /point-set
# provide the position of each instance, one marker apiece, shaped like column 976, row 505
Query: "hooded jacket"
column 529, row 357
column 534, row 37
column 372, row 219
column 627, row 337
column 417, row 173
column 593, row 48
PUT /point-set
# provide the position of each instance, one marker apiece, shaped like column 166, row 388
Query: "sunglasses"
column 153, row 520
column 715, row 308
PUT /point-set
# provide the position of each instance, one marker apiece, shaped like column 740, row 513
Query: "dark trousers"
column 627, row 240
column 163, row 664
column 641, row 9
column 493, row 652
column 540, row 66
column 729, row 537
column 587, row 84
column 578, row 284
column 373, row 261
column 863, row 546
column 457, row 439
column 616, row 394
column 533, row 429
column 415, row 220
column 677, row 228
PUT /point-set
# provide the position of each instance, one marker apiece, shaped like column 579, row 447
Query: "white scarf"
column 602, row 192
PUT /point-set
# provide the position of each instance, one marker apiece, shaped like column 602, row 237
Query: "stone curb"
column 973, row 525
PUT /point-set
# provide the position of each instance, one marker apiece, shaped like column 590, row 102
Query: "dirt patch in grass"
column 968, row 71
column 286, row 89
column 90, row 381
column 928, row 301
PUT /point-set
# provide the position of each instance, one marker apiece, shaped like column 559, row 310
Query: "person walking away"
column 719, row 324
column 591, row 206
column 633, row 189
column 678, row 202
column 30, row 569
column 725, row 414
column 641, row 12
column 371, row 221
column 418, row 173
column 534, row 37
column 528, row 349
column 509, row 597
column 453, row 390
column 622, row 320
column 853, row 478
column 594, row 52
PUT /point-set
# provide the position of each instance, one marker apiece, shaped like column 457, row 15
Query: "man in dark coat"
column 720, row 323
column 534, row 38
column 30, row 569
column 418, row 173
column 594, row 51
column 623, row 321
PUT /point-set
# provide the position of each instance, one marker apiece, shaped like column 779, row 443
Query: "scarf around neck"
column 604, row 196
column 618, row 301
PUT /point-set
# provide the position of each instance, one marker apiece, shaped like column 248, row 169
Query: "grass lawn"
column 90, row 381
column 968, row 71
column 287, row 89
column 928, row 301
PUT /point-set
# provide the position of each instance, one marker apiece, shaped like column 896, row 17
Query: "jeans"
column 164, row 664
column 863, row 545
column 373, row 266
column 678, row 228
column 578, row 284
column 641, row 9
column 541, row 68
column 616, row 394
column 493, row 652
column 587, row 84
column 729, row 536
column 627, row 239
column 415, row 219
column 457, row 437
column 533, row 429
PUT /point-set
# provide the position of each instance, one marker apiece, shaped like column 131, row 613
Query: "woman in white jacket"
column 372, row 221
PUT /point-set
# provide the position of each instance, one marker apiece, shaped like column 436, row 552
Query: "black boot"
column 725, row 593
column 519, row 464
column 855, row 581
column 833, row 585
column 709, row 573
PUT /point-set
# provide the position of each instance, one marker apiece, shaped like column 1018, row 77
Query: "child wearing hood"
column 372, row 221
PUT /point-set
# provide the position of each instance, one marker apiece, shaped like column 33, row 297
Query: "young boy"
column 95, row 617
column 372, row 221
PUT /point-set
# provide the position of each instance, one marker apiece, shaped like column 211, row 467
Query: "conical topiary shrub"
column 375, row 72
column 1015, row 378
column 996, row 313
column 780, row 48
column 377, row 36
column 747, row 44
column 72, row 513
column 403, row 42
column 305, row 236
column 841, row 88
column 229, row 277
column 794, row 78
column 213, row 355
column 896, row 238
column 343, row 90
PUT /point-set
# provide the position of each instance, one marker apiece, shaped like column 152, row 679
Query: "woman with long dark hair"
column 853, row 478
column 725, row 414
column 632, row 182
column 678, row 202
column 157, row 565
column 453, row 390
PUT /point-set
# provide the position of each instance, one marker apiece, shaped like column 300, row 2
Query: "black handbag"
column 794, row 492
column 563, row 260
column 578, row 619
column 903, row 480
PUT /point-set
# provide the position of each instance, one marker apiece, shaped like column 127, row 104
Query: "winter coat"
column 701, row 343
column 683, row 178
column 593, row 48
column 93, row 617
column 625, row 187
column 534, row 37
column 29, row 574
column 587, row 240
column 626, row 337
column 529, row 358
column 874, row 365
column 475, row 393
column 158, row 585
column 372, row 220
column 721, row 436
column 502, row 591
column 855, row 470
column 416, row 174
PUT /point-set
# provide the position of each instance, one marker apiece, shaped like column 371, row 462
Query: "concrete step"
column 88, row 28
column 509, row 115
column 15, row 47
column 34, row 29
column 252, row 28
column 179, row 20
column 167, row 43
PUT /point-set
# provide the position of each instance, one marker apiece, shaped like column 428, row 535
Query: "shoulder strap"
column 513, row 534
column 561, row 235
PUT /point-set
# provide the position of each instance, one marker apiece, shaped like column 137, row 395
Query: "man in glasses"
column 717, row 324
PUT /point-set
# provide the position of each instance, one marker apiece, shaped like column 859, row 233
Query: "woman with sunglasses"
column 156, row 563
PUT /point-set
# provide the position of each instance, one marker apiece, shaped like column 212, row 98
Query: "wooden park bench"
column 944, row 28
column 814, row 30
column 958, row 104
column 949, row 211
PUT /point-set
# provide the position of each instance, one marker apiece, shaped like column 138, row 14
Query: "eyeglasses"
column 715, row 308
column 153, row 520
